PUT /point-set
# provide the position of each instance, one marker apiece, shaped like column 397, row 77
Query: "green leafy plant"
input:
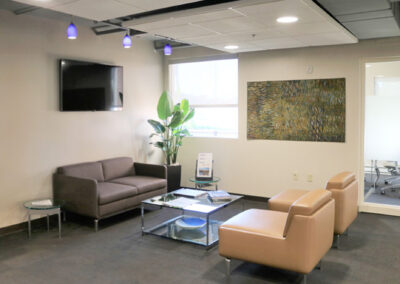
column 171, row 128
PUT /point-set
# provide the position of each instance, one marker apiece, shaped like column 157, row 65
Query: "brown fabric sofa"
column 344, row 189
column 108, row 187
column 295, row 240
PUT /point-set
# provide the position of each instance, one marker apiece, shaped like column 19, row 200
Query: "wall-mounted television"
column 88, row 86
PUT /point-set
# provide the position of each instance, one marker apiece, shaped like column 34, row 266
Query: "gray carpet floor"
column 119, row 254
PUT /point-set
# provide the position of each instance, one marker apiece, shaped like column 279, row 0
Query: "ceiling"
column 366, row 18
column 101, row 10
column 250, row 24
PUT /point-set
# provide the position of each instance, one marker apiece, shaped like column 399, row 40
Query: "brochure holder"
column 204, row 167
column 202, row 177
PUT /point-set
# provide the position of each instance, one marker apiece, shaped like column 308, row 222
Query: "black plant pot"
column 173, row 177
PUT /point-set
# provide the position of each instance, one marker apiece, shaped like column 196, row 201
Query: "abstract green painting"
column 298, row 110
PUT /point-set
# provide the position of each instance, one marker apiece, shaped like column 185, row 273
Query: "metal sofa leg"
column 319, row 265
column 228, row 267
column 304, row 279
column 96, row 225
column 336, row 241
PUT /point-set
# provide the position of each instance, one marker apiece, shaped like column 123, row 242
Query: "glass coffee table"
column 193, row 223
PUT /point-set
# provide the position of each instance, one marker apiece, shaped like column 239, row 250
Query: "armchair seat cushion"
column 142, row 183
column 110, row 192
column 282, row 201
column 262, row 222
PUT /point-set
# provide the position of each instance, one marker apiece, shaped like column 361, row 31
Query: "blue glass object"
column 72, row 32
column 127, row 41
column 167, row 49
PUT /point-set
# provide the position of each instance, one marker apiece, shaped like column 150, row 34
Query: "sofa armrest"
column 79, row 194
column 152, row 170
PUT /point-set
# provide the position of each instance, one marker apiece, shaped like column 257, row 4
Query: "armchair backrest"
column 307, row 205
column 344, row 189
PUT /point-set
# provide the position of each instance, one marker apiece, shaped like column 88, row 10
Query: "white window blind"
column 212, row 89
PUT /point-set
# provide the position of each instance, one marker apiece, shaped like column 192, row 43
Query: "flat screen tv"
column 88, row 86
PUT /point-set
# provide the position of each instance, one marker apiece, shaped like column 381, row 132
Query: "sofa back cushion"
column 91, row 170
column 117, row 167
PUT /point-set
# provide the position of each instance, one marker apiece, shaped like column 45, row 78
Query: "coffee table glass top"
column 43, row 204
column 202, row 204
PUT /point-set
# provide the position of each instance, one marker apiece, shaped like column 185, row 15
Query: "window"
column 212, row 89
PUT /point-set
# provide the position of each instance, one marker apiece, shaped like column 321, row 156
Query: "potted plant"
column 170, row 131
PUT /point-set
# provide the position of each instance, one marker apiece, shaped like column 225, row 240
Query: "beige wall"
column 35, row 136
column 264, row 168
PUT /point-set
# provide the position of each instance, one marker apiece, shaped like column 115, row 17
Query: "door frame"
column 363, row 206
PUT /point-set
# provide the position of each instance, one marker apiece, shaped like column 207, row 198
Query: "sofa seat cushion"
column 142, row 183
column 110, row 192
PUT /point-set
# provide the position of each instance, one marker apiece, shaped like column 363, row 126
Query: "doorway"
column 381, row 192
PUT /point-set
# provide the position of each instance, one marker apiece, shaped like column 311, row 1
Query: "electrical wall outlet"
column 309, row 177
column 295, row 176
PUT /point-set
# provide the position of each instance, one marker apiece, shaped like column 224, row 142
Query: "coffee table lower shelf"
column 169, row 229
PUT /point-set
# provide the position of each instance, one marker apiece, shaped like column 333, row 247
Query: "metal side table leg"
column 29, row 225
column 142, row 217
column 208, row 229
column 59, row 224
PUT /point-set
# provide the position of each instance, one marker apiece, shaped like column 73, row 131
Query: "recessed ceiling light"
column 231, row 47
column 287, row 19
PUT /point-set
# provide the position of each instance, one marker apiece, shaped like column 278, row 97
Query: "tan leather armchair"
column 344, row 189
column 295, row 240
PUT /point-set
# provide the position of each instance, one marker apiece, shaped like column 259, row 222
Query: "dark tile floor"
column 119, row 254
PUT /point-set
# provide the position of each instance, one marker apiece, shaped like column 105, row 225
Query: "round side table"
column 204, row 183
column 40, row 207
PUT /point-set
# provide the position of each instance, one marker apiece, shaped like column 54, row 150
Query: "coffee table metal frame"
column 211, row 224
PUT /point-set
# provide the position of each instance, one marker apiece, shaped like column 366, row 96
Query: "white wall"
column 36, row 137
column 265, row 167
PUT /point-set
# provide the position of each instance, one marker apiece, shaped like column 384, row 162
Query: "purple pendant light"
column 127, row 41
column 72, row 32
column 167, row 49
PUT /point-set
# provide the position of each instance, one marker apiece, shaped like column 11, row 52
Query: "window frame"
column 205, row 59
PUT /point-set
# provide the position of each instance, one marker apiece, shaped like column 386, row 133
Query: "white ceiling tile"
column 275, row 43
column 183, row 31
column 307, row 28
column 209, row 39
column 97, row 9
column 215, row 26
column 45, row 3
column 211, row 16
column 232, row 25
column 268, row 13
column 244, row 47
column 151, row 26
column 323, row 39
column 149, row 5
